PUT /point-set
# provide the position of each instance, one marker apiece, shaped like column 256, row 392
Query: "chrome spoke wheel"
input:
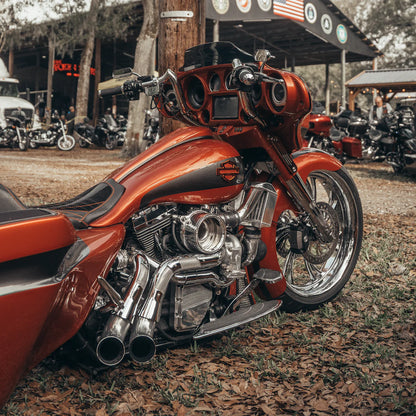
column 316, row 272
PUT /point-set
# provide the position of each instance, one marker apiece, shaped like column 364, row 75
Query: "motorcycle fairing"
column 307, row 160
column 189, row 166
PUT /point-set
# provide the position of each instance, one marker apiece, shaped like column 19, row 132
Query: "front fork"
column 304, row 201
column 296, row 188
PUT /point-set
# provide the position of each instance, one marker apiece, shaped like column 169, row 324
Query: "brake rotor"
column 317, row 251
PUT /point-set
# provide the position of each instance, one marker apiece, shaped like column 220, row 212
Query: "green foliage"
column 390, row 24
column 66, row 22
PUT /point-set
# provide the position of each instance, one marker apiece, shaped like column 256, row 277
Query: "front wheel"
column 66, row 143
column 111, row 142
column 23, row 142
column 316, row 271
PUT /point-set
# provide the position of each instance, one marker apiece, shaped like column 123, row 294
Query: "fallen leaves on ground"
column 354, row 356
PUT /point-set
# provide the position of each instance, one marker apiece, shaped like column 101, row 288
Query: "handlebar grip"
column 111, row 91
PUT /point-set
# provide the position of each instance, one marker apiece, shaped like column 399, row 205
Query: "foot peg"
column 242, row 317
column 268, row 275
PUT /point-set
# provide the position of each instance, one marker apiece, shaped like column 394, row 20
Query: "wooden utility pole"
column 97, row 79
column 182, row 25
column 51, row 60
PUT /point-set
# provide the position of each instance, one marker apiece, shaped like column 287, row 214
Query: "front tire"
column 23, row 143
column 316, row 273
column 66, row 143
column 111, row 142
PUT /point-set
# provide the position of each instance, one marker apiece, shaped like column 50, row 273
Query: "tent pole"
column 343, row 80
column 327, row 90
column 216, row 31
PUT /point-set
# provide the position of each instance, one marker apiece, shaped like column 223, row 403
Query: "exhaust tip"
column 110, row 350
column 142, row 349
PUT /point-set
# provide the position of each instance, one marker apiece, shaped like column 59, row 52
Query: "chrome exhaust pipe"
column 142, row 346
column 110, row 348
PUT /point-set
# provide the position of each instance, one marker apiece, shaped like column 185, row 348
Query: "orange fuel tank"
column 188, row 166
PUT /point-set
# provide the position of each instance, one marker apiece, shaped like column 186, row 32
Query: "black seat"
column 81, row 210
column 91, row 204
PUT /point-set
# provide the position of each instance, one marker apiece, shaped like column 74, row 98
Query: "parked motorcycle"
column 320, row 133
column 121, row 129
column 151, row 129
column 54, row 135
column 171, row 247
column 14, row 134
column 349, row 131
column 394, row 140
column 317, row 134
column 101, row 135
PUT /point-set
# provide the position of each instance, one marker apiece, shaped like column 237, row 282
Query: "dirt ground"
column 48, row 175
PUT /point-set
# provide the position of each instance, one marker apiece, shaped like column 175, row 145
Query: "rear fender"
column 307, row 161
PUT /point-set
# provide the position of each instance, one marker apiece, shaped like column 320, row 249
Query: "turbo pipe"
column 142, row 346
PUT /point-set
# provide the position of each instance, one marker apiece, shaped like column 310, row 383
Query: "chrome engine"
column 174, row 269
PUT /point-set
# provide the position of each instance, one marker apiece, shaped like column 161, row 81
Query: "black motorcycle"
column 151, row 130
column 14, row 134
column 121, row 129
column 395, row 137
column 54, row 135
column 101, row 135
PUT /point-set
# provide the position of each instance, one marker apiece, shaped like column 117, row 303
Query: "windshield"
column 8, row 89
column 215, row 53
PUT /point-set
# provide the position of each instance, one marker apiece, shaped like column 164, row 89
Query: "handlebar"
column 111, row 91
column 243, row 76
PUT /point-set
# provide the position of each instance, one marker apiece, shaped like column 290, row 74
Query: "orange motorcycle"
column 320, row 133
column 214, row 226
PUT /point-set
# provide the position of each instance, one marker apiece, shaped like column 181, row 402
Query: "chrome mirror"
column 262, row 55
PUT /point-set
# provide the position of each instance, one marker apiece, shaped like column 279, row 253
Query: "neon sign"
column 71, row 70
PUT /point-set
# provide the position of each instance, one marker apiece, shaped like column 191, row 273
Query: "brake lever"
column 265, row 78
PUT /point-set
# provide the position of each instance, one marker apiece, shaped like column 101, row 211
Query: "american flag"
column 292, row 9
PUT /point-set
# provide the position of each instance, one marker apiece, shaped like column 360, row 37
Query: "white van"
column 10, row 100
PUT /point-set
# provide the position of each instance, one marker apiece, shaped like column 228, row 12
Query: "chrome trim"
column 201, row 278
column 258, row 209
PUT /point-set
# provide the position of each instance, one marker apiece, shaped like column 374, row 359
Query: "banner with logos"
column 313, row 15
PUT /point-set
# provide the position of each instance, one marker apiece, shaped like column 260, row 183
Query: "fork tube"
column 291, row 180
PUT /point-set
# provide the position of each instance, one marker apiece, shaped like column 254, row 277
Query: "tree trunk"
column 176, row 36
column 144, row 64
column 83, row 87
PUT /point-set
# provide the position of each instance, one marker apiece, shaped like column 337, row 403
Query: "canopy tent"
column 315, row 35
column 385, row 81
